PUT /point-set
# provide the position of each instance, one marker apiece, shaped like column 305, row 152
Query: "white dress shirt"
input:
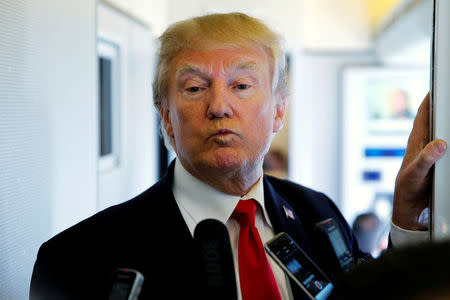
column 403, row 237
column 199, row 201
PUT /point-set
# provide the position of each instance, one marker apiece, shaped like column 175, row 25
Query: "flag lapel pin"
column 289, row 213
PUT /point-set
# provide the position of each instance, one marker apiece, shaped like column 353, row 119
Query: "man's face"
column 221, row 113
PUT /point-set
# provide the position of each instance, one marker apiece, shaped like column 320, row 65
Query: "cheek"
column 260, row 125
column 185, row 119
column 176, row 120
column 264, row 118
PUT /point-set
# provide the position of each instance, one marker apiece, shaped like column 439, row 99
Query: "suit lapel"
column 174, row 220
column 175, row 244
column 285, row 218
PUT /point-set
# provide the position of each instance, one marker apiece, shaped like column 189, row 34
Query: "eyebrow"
column 196, row 70
column 189, row 69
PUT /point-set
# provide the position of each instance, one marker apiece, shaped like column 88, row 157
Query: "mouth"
column 223, row 132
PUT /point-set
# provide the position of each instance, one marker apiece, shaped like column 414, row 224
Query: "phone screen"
column 334, row 236
column 120, row 290
column 338, row 243
column 125, row 284
column 299, row 266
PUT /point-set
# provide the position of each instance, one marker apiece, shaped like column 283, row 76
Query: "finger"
column 420, row 132
column 432, row 152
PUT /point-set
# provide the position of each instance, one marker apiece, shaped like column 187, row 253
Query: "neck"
column 236, row 182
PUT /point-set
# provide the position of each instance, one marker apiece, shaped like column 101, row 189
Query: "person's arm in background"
column 413, row 184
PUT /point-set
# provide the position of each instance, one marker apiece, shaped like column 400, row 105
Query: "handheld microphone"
column 213, row 244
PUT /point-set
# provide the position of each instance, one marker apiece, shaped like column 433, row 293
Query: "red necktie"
column 256, row 277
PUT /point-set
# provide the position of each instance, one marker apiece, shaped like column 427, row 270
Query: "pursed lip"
column 222, row 131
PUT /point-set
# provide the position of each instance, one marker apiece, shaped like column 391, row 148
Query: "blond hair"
column 231, row 28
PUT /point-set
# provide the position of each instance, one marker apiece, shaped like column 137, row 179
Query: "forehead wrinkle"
column 245, row 65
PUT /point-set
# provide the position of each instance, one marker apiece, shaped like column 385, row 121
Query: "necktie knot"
column 245, row 211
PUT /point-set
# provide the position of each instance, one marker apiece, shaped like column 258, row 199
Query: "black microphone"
column 217, row 268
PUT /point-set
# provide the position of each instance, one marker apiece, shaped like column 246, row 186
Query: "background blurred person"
column 368, row 231
column 275, row 164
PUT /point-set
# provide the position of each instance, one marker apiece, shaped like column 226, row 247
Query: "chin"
column 227, row 161
column 227, row 165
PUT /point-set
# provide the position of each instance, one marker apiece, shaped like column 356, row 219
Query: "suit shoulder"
column 317, row 204
column 289, row 188
column 111, row 220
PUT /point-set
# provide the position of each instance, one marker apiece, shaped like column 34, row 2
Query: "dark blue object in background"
column 371, row 175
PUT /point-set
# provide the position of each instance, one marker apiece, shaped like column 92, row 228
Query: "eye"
column 193, row 89
column 242, row 86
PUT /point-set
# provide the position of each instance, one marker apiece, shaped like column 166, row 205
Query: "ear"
column 164, row 113
column 280, row 111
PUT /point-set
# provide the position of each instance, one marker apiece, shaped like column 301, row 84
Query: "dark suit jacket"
column 148, row 233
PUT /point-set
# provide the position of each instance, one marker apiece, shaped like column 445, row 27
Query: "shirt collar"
column 202, row 201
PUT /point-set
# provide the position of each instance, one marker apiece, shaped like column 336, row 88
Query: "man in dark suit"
column 221, row 92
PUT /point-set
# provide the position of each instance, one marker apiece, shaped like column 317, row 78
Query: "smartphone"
column 126, row 284
column 329, row 229
column 299, row 266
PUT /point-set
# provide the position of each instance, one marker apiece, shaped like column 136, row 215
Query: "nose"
column 219, row 102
